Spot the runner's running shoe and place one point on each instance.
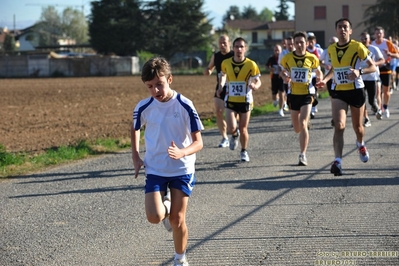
(183, 262)
(379, 114)
(234, 140)
(363, 154)
(387, 113)
(302, 160)
(367, 122)
(244, 156)
(336, 168)
(224, 143)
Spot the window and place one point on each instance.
(254, 37)
(320, 12)
(345, 11)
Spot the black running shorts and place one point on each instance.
(355, 98)
(295, 102)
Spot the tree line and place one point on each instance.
(164, 27)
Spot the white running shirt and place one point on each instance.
(165, 122)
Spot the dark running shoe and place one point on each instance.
(336, 168)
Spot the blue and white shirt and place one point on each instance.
(165, 122)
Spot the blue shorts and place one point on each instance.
(184, 183)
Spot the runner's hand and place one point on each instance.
(174, 152)
(138, 163)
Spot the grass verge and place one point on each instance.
(19, 163)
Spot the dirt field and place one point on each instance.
(37, 114)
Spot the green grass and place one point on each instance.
(19, 163)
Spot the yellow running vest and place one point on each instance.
(344, 58)
(239, 76)
(300, 69)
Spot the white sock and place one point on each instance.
(359, 144)
(180, 256)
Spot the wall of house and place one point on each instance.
(305, 17)
(24, 44)
(43, 66)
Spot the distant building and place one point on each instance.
(27, 39)
(319, 16)
(261, 35)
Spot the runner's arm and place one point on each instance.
(208, 70)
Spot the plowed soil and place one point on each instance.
(37, 114)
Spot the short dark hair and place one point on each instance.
(311, 37)
(379, 28)
(156, 66)
(364, 33)
(300, 34)
(239, 39)
(343, 19)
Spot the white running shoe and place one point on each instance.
(234, 141)
(303, 161)
(281, 112)
(244, 156)
(167, 203)
(387, 113)
(286, 108)
(182, 262)
(224, 143)
(379, 114)
(367, 122)
(363, 154)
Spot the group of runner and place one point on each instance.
(353, 70)
(173, 127)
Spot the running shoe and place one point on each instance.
(367, 122)
(336, 168)
(167, 203)
(224, 143)
(286, 108)
(275, 102)
(244, 156)
(312, 115)
(281, 112)
(234, 140)
(302, 160)
(374, 109)
(387, 113)
(182, 262)
(379, 114)
(363, 154)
